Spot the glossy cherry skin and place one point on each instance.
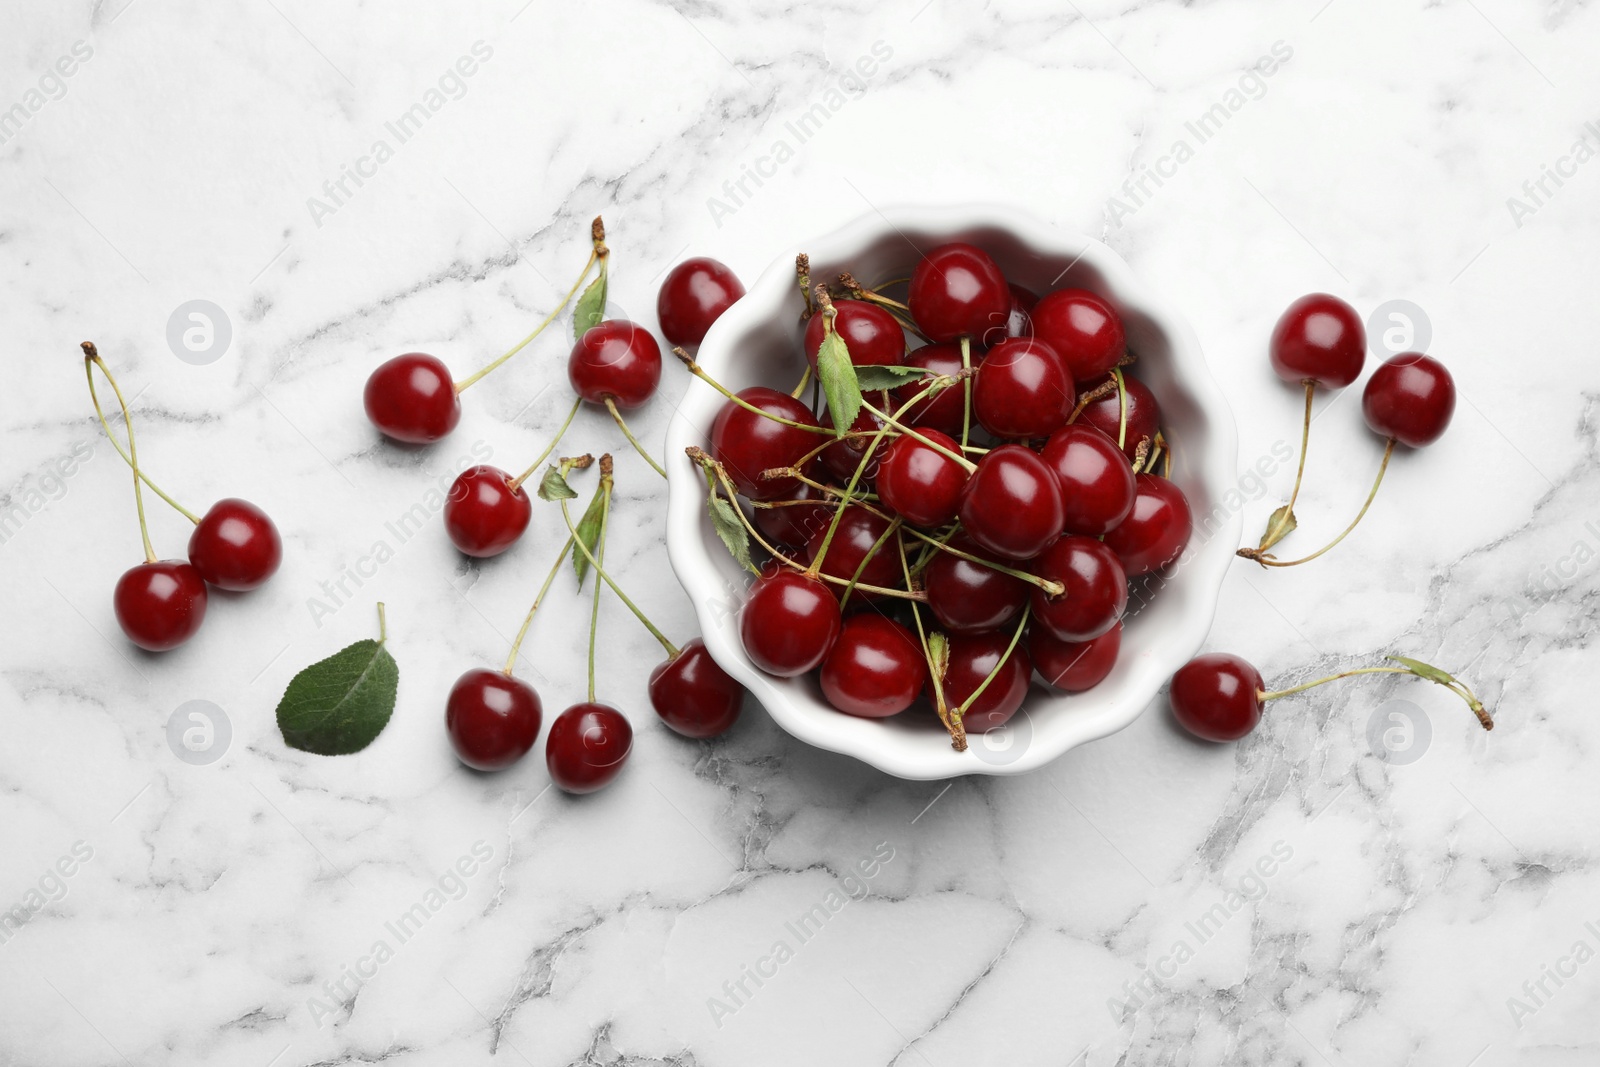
(1073, 666)
(941, 411)
(412, 398)
(694, 696)
(1157, 531)
(793, 526)
(876, 668)
(617, 359)
(1410, 398)
(1022, 390)
(1019, 321)
(160, 605)
(694, 294)
(859, 530)
(1144, 414)
(587, 746)
(492, 718)
(843, 456)
(972, 657)
(1097, 486)
(1012, 504)
(1321, 339)
(747, 444)
(1096, 589)
(1083, 328)
(921, 485)
(235, 546)
(1217, 697)
(483, 514)
(789, 623)
(958, 291)
(871, 334)
(967, 597)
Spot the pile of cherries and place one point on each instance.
(1004, 490)
(235, 546)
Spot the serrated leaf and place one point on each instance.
(1425, 670)
(1281, 525)
(885, 376)
(553, 486)
(339, 705)
(939, 655)
(591, 306)
(589, 533)
(725, 520)
(838, 377)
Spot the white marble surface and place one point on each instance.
(1407, 902)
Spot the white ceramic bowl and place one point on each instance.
(757, 342)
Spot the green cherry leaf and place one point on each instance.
(838, 376)
(553, 486)
(589, 533)
(875, 377)
(1425, 670)
(939, 655)
(341, 704)
(725, 520)
(1281, 525)
(591, 306)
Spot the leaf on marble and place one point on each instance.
(339, 705)
(1281, 525)
(589, 532)
(591, 307)
(553, 486)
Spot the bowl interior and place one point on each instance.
(757, 343)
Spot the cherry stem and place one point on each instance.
(802, 275)
(1122, 408)
(383, 625)
(91, 359)
(611, 406)
(538, 599)
(891, 420)
(706, 462)
(598, 253)
(1104, 389)
(958, 735)
(672, 650)
(966, 390)
(1275, 530)
(596, 559)
(1268, 561)
(1022, 624)
(805, 380)
(1437, 676)
(152, 486)
(551, 447)
(695, 369)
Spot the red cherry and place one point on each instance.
(235, 546)
(1096, 592)
(747, 444)
(1410, 398)
(793, 526)
(958, 291)
(1157, 531)
(484, 515)
(587, 746)
(921, 485)
(876, 668)
(843, 456)
(412, 398)
(972, 657)
(1022, 390)
(871, 334)
(967, 597)
(1321, 339)
(1071, 666)
(160, 605)
(1012, 504)
(1217, 697)
(789, 623)
(944, 409)
(859, 530)
(1083, 328)
(1096, 478)
(694, 294)
(693, 695)
(492, 718)
(1019, 322)
(615, 358)
(1144, 414)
